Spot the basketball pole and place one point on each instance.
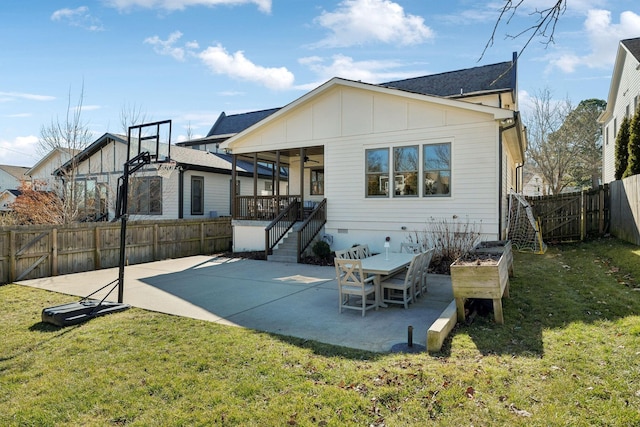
(130, 167)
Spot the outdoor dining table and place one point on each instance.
(384, 265)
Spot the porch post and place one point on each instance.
(255, 178)
(301, 212)
(277, 184)
(234, 175)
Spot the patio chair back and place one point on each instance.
(352, 282)
(398, 290)
(410, 248)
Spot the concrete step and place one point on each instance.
(282, 258)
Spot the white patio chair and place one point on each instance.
(342, 254)
(410, 248)
(363, 251)
(425, 261)
(352, 283)
(400, 290)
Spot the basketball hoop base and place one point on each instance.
(81, 311)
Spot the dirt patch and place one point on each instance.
(479, 259)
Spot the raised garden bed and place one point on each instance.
(497, 247)
(480, 275)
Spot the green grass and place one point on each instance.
(568, 354)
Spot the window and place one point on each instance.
(377, 172)
(437, 169)
(145, 195)
(317, 182)
(88, 196)
(405, 171)
(197, 195)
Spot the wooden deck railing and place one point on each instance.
(279, 226)
(311, 227)
(264, 208)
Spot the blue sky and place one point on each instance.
(189, 60)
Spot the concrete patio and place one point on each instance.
(291, 299)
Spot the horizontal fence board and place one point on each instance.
(30, 252)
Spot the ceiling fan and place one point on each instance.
(307, 159)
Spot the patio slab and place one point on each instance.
(291, 299)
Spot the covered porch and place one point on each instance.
(292, 201)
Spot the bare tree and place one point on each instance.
(71, 135)
(544, 24)
(548, 150)
(131, 115)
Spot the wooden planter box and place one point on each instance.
(486, 280)
(496, 247)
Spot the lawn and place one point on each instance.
(568, 354)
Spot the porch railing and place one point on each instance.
(279, 226)
(311, 226)
(264, 208)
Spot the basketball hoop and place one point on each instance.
(166, 169)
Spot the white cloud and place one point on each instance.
(345, 67)
(171, 5)
(79, 17)
(19, 151)
(10, 96)
(357, 22)
(603, 37)
(237, 66)
(167, 47)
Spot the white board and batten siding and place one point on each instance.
(347, 120)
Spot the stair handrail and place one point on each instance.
(311, 226)
(280, 226)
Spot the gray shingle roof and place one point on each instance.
(487, 78)
(16, 171)
(633, 45)
(235, 123)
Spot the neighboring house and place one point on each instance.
(7, 198)
(11, 177)
(393, 159)
(42, 173)
(623, 101)
(198, 186)
(225, 127)
(534, 185)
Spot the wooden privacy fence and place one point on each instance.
(625, 209)
(30, 252)
(572, 216)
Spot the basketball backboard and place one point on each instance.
(153, 138)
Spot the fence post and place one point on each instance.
(12, 256)
(601, 197)
(54, 251)
(583, 214)
(201, 238)
(155, 242)
(97, 255)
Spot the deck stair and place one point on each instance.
(287, 249)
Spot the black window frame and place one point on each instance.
(197, 195)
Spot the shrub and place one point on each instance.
(622, 149)
(321, 249)
(633, 166)
(451, 240)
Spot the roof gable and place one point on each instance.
(232, 124)
(488, 78)
(18, 172)
(633, 46)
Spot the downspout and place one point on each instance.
(500, 169)
(518, 190)
(181, 193)
(500, 184)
